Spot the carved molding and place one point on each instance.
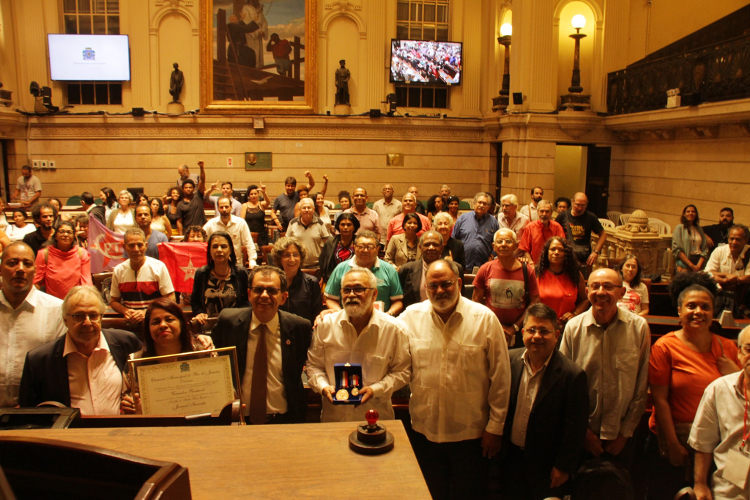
(270, 131)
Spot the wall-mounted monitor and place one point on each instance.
(102, 58)
(419, 61)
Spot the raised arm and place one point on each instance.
(202, 178)
(310, 181)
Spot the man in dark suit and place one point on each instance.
(84, 367)
(547, 415)
(410, 274)
(271, 350)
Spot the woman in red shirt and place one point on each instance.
(561, 284)
(63, 264)
(681, 366)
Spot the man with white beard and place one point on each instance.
(460, 385)
(359, 334)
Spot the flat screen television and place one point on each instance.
(102, 58)
(419, 61)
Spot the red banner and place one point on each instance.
(105, 246)
(182, 260)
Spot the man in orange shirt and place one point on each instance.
(536, 234)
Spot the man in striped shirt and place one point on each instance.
(139, 280)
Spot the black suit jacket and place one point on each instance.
(232, 330)
(410, 276)
(45, 373)
(559, 417)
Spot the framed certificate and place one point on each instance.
(193, 383)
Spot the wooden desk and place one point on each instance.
(275, 461)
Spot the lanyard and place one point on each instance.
(745, 434)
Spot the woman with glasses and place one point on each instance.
(220, 283)
(689, 243)
(339, 248)
(404, 247)
(561, 284)
(62, 264)
(682, 364)
(305, 299)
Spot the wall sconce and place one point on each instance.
(575, 100)
(501, 103)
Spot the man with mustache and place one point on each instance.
(29, 318)
(359, 334)
(717, 432)
(612, 346)
(460, 385)
(547, 414)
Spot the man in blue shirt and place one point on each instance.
(366, 255)
(476, 230)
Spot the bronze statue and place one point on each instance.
(342, 84)
(175, 83)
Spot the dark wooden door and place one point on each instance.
(597, 180)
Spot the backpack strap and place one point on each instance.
(526, 293)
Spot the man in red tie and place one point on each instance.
(271, 350)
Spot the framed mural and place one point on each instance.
(258, 56)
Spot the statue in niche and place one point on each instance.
(342, 84)
(176, 82)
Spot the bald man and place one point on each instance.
(578, 224)
(612, 346)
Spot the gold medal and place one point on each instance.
(342, 395)
(355, 392)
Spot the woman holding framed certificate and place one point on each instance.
(165, 332)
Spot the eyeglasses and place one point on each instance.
(69, 233)
(290, 256)
(258, 290)
(356, 290)
(366, 247)
(443, 284)
(541, 331)
(507, 241)
(608, 287)
(745, 348)
(80, 318)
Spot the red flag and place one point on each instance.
(105, 247)
(182, 260)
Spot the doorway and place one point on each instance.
(584, 168)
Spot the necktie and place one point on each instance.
(259, 387)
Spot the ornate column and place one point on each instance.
(378, 50)
(472, 39)
(534, 63)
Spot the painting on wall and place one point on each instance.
(258, 55)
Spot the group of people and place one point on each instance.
(546, 367)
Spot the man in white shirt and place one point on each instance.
(612, 346)
(729, 263)
(359, 334)
(387, 209)
(28, 318)
(227, 190)
(83, 368)
(717, 433)
(310, 230)
(244, 247)
(460, 385)
(510, 218)
(530, 210)
(28, 188)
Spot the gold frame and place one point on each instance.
(209, 105)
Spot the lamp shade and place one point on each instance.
(506, 29)
(579, 21)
